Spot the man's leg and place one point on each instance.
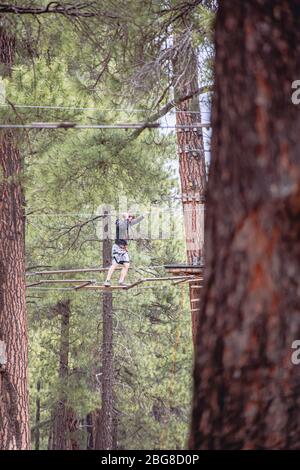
(110, 272)
(124, 272)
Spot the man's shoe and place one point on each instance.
(122, 284)
(106, 284)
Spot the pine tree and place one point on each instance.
(246, 387)
(14, 424)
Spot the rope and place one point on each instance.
(164, 433)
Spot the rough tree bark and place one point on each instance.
(14, 426)
(246, 390)
(191, 158)
(107, 378)
(64, 420)
(93, 424)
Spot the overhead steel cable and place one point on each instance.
(74, 125)
(91, 108)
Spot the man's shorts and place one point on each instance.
(119, 255)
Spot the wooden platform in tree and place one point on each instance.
(184, 269)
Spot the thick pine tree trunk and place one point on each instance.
(14, 430)
(14, 426)
(246, 391)
(107, 378)
(191, 159)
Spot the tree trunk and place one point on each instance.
(14, 425)
(246, 389)
(107, 377)
(191, 158)
(64, 420)
(58, 436)
(94, 424)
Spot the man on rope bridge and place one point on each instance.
(120, 253)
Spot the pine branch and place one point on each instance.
(159, 114)
(83, 10)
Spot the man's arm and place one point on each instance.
(137, 220)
